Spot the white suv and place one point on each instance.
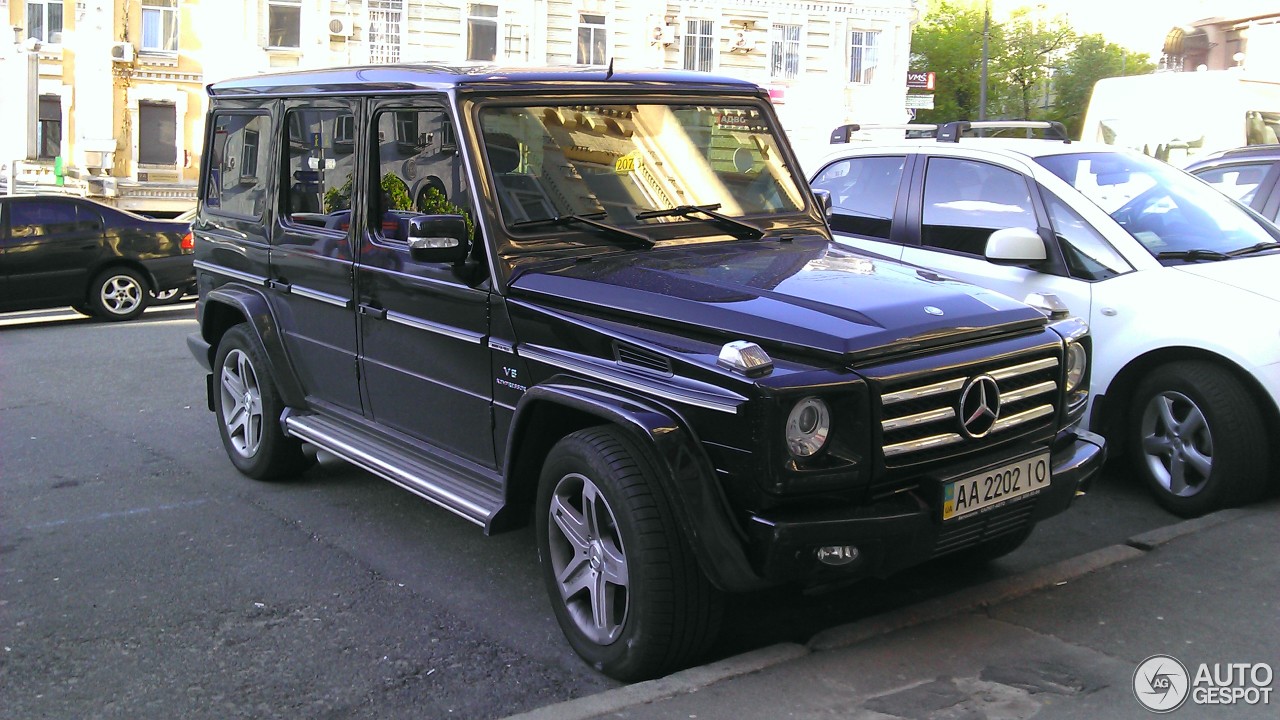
(1177, 281)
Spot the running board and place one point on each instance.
(390, 461)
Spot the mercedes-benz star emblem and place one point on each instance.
(933, 310)
(979, 406)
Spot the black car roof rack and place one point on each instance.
(952, 131)
(844, 133)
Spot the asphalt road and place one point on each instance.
(142, 577)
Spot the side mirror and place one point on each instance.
(1016, 246)
(824, 202)
(438, 238)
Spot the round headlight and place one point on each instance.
(808, 427)
(1077, 363)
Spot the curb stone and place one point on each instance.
(984, 595)
(685, 681)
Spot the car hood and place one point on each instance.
(807, 294)
(1253, 273)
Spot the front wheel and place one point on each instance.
(248, 409)
(1198, 439)
(118, 294)
(624, 584)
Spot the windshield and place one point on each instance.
(1170, 212)
(680, 169)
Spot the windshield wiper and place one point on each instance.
(1260, 247)
(587, 220)
(1197, 254)
(737, 227)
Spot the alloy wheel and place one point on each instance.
(241, 403)
(588, 558)
(1176, 443)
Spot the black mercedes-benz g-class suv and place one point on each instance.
(608, 303)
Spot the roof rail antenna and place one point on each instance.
(609, 73)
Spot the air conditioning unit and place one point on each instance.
(740, 41)
(122, 52)
(340, 25)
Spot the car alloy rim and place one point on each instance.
(241, 403)
(168, 294)
(588, 559)
(1177, 443)
(121, 295)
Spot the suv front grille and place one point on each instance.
(921, 422)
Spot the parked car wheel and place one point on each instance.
(119, 293)
(83, 309)
(1198, 439)
(624, 585)
(248, 408)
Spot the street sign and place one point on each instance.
(921, 79)
(920, 102)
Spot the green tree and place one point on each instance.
(1092, 59)
(1031, 48)
(949, 42)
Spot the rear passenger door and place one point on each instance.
(865, 205)
(311, 259)
(52, 247)
(423, 327)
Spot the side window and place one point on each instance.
(1237, 181)
(37, 219)
(419, 171)
(318, 168)
(1088, 255)
(864, 192)
(965, 201)
(236, 184)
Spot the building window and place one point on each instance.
(698, 38)
(784, 51)
(386, 18)
(864, 49)
(482, 31)
(284, 23)
(160, 26)
(157, 133)
(592, 40)
(44, 20)
(49, 131)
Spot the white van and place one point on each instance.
(1176, 116)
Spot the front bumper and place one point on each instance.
(907, 529)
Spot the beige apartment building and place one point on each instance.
(109, 94)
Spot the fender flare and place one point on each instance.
(217, 315)
(688, 477)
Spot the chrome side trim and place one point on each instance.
(918, 419)
(438, 329)
(727, 403)
(230, 272)
(452, 502)
(324, 297)
(501, 346)
(923, 391)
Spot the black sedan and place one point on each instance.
(107, 263)
(1249, 174)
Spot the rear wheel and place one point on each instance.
(248, 409)
(1198, 439)
(118, 293)
(624, 584)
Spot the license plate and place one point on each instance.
(995, 487)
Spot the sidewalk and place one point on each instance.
(1062, 641)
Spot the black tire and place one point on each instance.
(1197, 439)
(171, 296)
(83, 309)
(250, 429)
(664, 613)
(118, 293)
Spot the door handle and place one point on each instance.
(374, 312)
(280, 285)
